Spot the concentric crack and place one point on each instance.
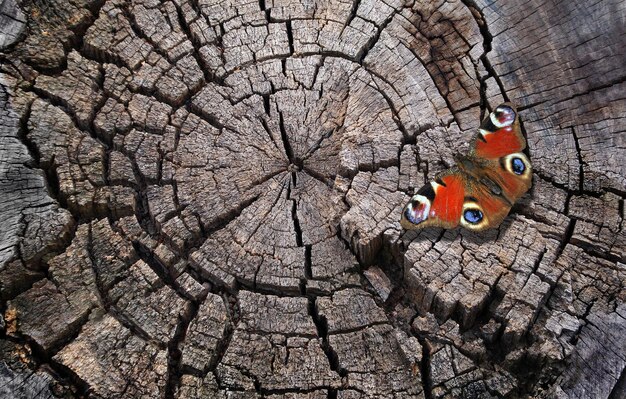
(219, 182)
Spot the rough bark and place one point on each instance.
(202, 198)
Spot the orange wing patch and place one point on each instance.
(448, 203)
(479, 191)
(502, 142)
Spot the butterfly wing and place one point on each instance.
(482, 209)
(479, 193)
(454, 198)
(499, 134)
(499, 145)
(438, 203)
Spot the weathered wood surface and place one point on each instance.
(201, 199)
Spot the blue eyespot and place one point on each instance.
(473, 216)
(518, 166)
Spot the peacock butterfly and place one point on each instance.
(480, 190)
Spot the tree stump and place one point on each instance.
(202, 199)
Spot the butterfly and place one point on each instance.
(479, 191)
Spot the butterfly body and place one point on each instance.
(480, 190)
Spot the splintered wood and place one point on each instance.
(202, 199)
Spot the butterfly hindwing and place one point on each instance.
(499, 145)
(512, 173)
(481, 208)
(479, 192)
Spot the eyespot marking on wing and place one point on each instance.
(517, 164)
(480, 190)
(502, 116)
(473, 216)
(416, 211)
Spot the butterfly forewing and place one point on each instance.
(438, 203)
(479, 193)
(499, 134)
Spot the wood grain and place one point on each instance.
(202, 199)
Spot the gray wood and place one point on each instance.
(202, 199)
(12, 23)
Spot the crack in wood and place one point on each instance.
(173, 350)
(321, 325)
(297, 161)
(484, 58)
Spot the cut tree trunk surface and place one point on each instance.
(201, 198)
